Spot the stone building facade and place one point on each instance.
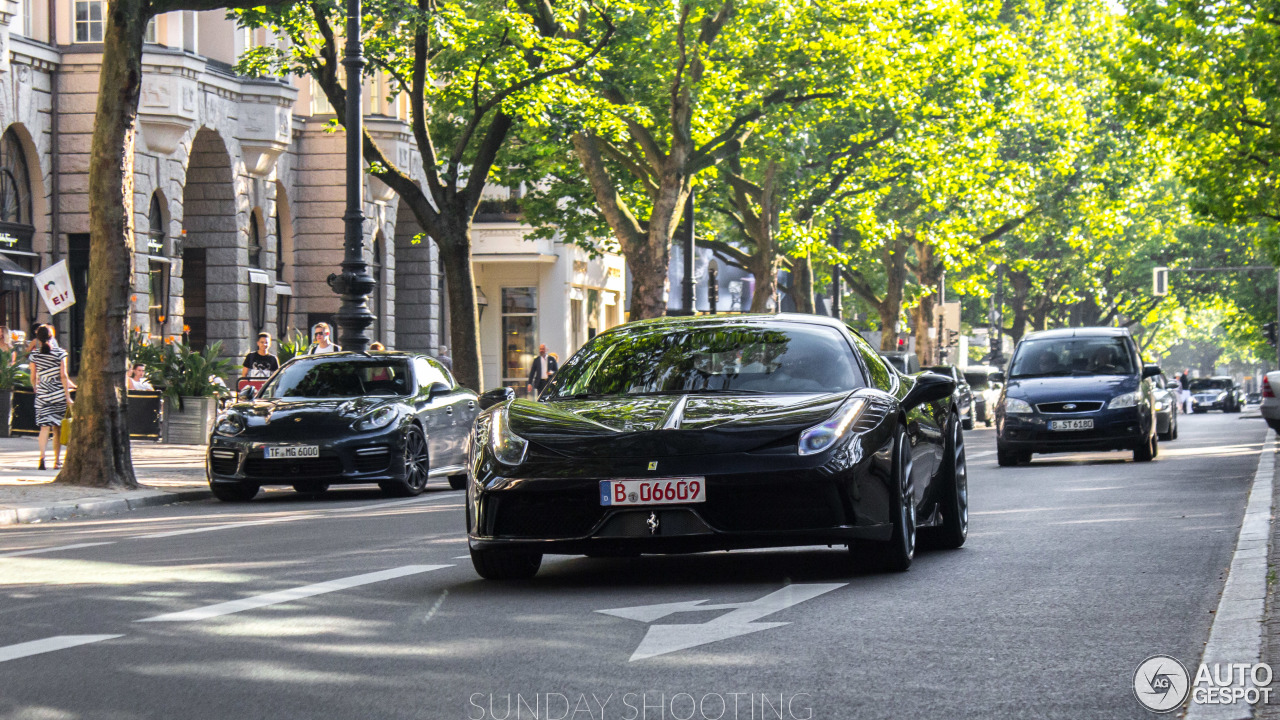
(239, 198)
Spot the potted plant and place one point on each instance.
(291, 347)
(13, 373)
(193, 384)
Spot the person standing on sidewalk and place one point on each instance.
(53, 391)
(320, 343)
(137, 379)
(543, 369)
(1184, 391)
(443, 357)
(260, 363)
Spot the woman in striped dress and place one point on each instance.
(53, 390)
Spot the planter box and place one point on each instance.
(6, 411)
(191, 424)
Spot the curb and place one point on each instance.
(1237, 632)
(95, 506)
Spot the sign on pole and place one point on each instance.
(54, 284)
(1160, 281)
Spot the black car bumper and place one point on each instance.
(357, 458)
(752, 501)
(1122, 429)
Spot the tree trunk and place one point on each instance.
(1020, 292)
(99, 453)
(464, 318)
(802, 284)
(894, 257)
(922, 321)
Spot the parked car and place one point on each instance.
(392, 418)
(1214, 393)
(964, 395)
(690, 434)
(1166, 392)
(907, 363)
(1079, 389)
(1270, 407)
(1253, 398)
(985, 391)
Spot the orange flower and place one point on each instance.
(186, 328)
(168, 340)
(137, 328)
(133, 298)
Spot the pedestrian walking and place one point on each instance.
(260, 363)
(543, 369)
(6, 345)
(1184, 391)
(443, 357)
(137, 380)
(320, 340)
(48, 366)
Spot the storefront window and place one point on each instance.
(519, 335)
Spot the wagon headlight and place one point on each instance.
(508, 448)
(1127, 400)
(229, 425)
(1016, 406)
(376, 420)
(820, 437)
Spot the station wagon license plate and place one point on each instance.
(1071, 424)
(291, 452)
(653, 491)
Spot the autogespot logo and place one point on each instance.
(1161, 683)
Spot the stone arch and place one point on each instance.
(20, 236)
(36, 183)
(214, 255)
(417, 308)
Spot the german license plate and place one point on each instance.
(289, 452)
(1071, 424)
(654, 491)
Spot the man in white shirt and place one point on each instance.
(320, 343)
(543, 369)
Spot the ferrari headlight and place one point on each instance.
(508, 448)
(1127, 400)
(1016, 406)
(377, 419)
(229, 425)
(820, 437)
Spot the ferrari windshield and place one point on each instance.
(1073, 356)
(747, 358)
(340, 379)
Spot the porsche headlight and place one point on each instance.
(1127, 400)
(376, 420)
(1222, 396)
(508, 448)
(1016, 406)
(820, 437)
(229, 425)
(1162, 404)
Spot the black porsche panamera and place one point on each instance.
(718, 432)
(392, 418)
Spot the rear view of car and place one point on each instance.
(1082, 389)
(1270, 407)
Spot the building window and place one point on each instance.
(89, 20)
(159, 286)
(150, 35)
(519, 336)
(255, 242)
(280, 263)
(375, 269)
(155, 227)
(15, 182)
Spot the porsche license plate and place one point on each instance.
(1071, 424)
(654, 491)
(290, 452)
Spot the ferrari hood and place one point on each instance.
(656, 426)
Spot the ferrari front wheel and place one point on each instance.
(896, 554)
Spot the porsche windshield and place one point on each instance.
(1201, 384)
(746, 358)
(340, 379)
(1073, 356)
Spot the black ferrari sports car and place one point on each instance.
(717, 432)
(391, 418)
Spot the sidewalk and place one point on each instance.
(167, 473)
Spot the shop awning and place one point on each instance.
(14, 277)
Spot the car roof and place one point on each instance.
(672, 321)
(1077, 332)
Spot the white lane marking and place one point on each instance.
(663, 639)
(288, 518)
(980, 454)
(284, 596)
(58, 642)
(463, 557)
(55, 549)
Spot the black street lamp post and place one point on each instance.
(354, 283)
(713, 285)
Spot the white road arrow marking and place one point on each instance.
(663, 639)
(284, 596)
(55, 549)
(58, 642)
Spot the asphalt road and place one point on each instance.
(353, 606)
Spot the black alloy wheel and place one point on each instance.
(1147, 451)
(311, 488)
(233, 492)
(896, 554)
(954, 529)
(499, 564)
(417, 466)
(1007, 458)
(459, 481)
(1173, 434)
